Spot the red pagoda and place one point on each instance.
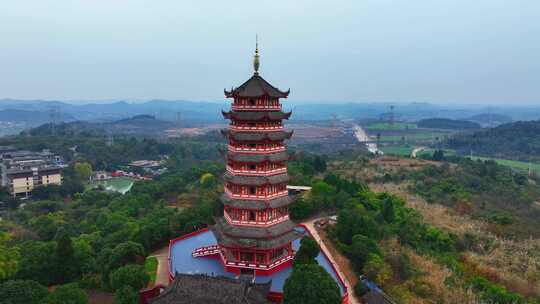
(255, 233)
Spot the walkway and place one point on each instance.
(310, 225)
(162, 273)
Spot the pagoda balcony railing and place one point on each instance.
(215, 249)
(256, 129)
(206, 251)
(254, 196)
(256, 107)
(261, 266)
(255, 223)
(256, 150)
(255, 172)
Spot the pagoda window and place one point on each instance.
(252, 190)
(252, 102)
(246, 256)
(261, 257)
(252, 215)
(252, 145)
(252, 167)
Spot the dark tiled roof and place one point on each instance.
(256, 86)
(276, 242)
(257, 205)
(253, 232)
(248, 115)
(257, 136)
(257, 158)
(204, 289)
(256, 180)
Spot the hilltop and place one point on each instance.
(517, 141)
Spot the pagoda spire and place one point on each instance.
(256, 61)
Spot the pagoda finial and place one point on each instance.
(256, 62)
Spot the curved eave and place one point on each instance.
(256, 158)
(257, 204)
(256, 116)
(270, 232)
(256, 180)
(255, 87)
(257, 136)
(232, 242)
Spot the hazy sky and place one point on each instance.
(459, 51)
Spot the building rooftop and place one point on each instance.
(204, 289)
(256, 86)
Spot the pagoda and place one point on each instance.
(254, 235)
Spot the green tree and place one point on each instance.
(22, 292)
(47, 225)
(309, 250)
(126, 295)
(133, 276)
(65, 264)
(310, 284)
(377, 270)
(83, 171)
(68, 294)
(9, 257)
(361, 248)
(124, 253)
(37, 261)
(208, 181)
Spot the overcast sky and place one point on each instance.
(440, 51)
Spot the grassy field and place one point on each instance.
(388, 126)
(400, 150)
(150, 266)
(524, 166)
(411, 136)
(117, 184)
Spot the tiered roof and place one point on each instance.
(256, 180)
(256, 86)
(204, 289)
(256, 116)
(257, 205)
(257, 136)
(257, 158)
(268, 243)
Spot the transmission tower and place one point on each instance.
(178, 116)
(392, 117)
(54, 117)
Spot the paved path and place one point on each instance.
(416, 151)
(162, 274)
(310, 225)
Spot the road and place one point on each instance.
(162, 273)
(363, 138)
(416, 150)
(310, 225)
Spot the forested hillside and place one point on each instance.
(518, 141)
(447, 124)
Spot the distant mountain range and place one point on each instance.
(36, 112)
(137, 125)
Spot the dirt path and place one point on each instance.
(162, 274)
(343, 266)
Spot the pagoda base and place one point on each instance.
(213, 251)
(181, 260)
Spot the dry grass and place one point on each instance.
(430, 282)
(512, 263)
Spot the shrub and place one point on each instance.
(132, 276)
(22, 292)
(68, 294)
